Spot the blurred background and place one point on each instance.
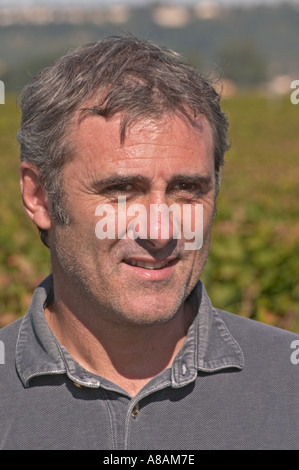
(253, 268)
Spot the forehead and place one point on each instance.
(169, 141)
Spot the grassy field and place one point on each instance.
(253, 268)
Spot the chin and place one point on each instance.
(150, 313)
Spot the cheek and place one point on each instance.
(196, 222)
(192, 226)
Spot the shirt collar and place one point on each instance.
(209, 346)
(38, 352)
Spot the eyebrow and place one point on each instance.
(191, 179)
(116, 179)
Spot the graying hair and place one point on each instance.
(125, 75)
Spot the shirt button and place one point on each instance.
(78, 385)
(135, 411)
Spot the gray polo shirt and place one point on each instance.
(233, 385)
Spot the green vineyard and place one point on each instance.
(253, 268)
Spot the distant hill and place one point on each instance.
(249, 45)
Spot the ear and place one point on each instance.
(35, 199)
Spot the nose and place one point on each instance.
(163, 222)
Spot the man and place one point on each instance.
(121, 348)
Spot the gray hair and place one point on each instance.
(125, 75)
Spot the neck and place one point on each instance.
(127, 354)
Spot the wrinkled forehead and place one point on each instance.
(89, 126)
(154, 149)
(128, 120)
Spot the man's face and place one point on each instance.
(168, 162)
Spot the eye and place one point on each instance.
(186, 190)
(186, 186)
(120, 188)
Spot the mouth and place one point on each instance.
(150, 270)
(152, 265)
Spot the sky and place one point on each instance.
(127, 2)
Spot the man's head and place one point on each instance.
(121, 118)
(136, 79)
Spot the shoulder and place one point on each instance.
(9, 333)
(265, 347)
(245, 327)
(8, 339)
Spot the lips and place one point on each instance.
(148, 264)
